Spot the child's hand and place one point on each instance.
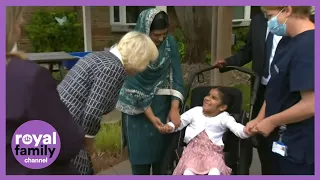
(247, 132)
(250, 128)
(166, 129)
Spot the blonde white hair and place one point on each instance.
(137, 51)
(13, 18)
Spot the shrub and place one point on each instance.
(47, 35)
(182, 45)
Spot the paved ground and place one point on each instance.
(123, 168)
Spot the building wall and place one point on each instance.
(24, 43)
(100, 21)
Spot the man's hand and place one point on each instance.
(220, 63)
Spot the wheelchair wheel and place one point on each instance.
(172, 156)
(245, 152)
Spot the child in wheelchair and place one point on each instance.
(204, 135)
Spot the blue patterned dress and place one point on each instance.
(89, 90)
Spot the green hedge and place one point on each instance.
(47, 35)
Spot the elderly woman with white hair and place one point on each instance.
(91, 88)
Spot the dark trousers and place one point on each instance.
(264, 148)
(145, 169)
(282, 166)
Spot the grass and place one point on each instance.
(107, 146)
(109, 138)
(245, 89)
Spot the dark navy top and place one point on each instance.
(292, 71)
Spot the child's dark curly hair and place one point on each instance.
(226, 96)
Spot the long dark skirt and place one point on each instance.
(145, 144)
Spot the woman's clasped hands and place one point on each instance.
(162, 128)
(261, 126)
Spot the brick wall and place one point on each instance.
(101, 29)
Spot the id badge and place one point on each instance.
(279, 148)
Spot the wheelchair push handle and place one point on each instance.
(249, 72)
(222, 70)
(241, 69)
(190, 81)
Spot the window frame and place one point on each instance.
(122, 26)
(122, 15)
(247, 13)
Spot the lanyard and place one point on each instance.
(282, 129)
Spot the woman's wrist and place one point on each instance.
(175, 105)
(153, 120)
(148, 112)
(259, 119)
(273, 120)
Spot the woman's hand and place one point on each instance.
(166, 129)
(89, 145)
(157, 123)
(265, 127)
(154, 120)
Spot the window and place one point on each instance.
(241, 13)
(128, 15)
(121, 17)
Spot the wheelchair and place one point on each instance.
(237, 152)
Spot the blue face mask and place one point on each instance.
(276, 28)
